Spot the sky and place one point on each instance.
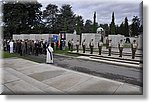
(103, 8)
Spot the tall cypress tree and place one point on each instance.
(94, 23)
(126, 27)
(112, 25)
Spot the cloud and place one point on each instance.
(103, 8)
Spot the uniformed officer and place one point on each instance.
(120, 46)
(134, 48)
(109, 47)
(77, 45)
(91, 46)
(100, 44)
(83, 45)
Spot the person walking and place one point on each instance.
(134, 46)
(100, 45)
(49, 57)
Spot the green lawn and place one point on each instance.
(65, 52)
(8, 55)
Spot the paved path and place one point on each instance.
(26, 77)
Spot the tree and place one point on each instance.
(88, 26)
(79, 26)
(50, 17)
(20, 17)
(94, 23)
(126, 28)
(135, 26)
(67, 19)
(112, 25)
(121, 29)
(106, 28)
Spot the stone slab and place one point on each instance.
(8, 77)
(46, 88)
(6, 91)
(66, 81)
(95, 86)
(37, 69)
(128, 90)
(18, 64)
(22, 87)
(47, 75)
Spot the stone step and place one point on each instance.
(115, 60)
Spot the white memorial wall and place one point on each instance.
(88, 36)
(70, 36)
(116, 39)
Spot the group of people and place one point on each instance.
(71, 44)
(23, 47)
(29, 47)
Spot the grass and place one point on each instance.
(8, 55)
(65, 52)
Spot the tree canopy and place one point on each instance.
(27, 18)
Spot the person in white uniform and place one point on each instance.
(49, 57)
(11, 44)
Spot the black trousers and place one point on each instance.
(91, 50)
(83, 48)
(109, 49)
(120, 51)
(133, 53)
(100, 50)
(77, 48)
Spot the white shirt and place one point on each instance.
(91, 44)
(77, 43)
(121, 44)
(134, 45)
(72, 42)
(110, 44)
(83, 43)
(100, 43)
(11, 44)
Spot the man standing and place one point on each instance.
(100, 44)
(72, 42)
(134, 48)
(109, 47)
(91, 46)
(49, 57)
(120, 46)
(77, 45)
(83, 45)
(11, 45)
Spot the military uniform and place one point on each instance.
(77, 46)
(109, 48)
(72, 42)
(91, 47)
(100, 44)
(83, 46)
(134, 47)
(120, 45)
